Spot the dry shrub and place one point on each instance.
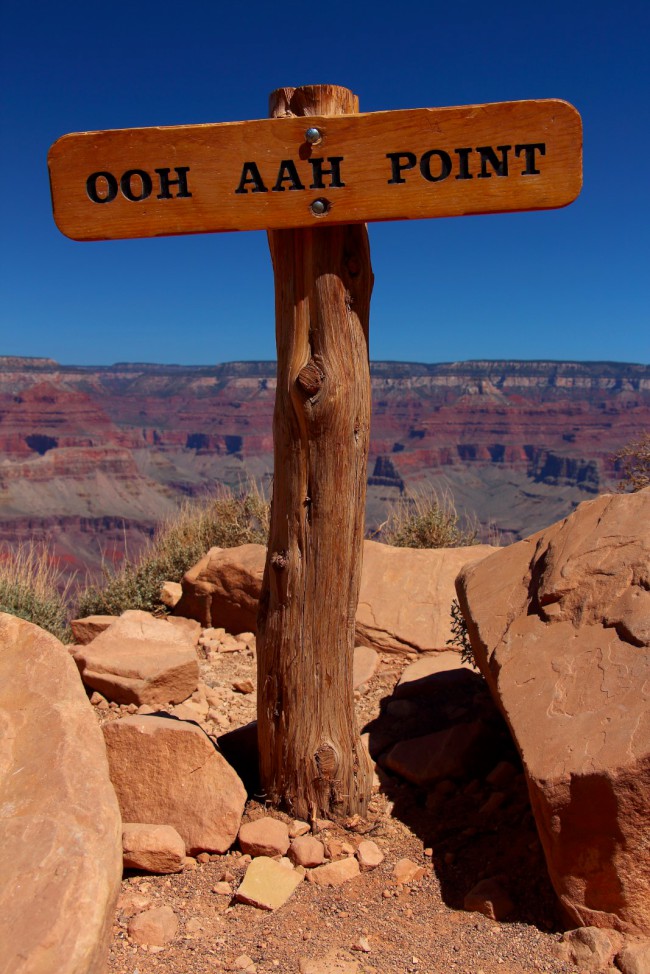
(225, 519)
(426, 519)
(31, 587)
(634, 461)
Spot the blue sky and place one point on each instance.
(561, 284)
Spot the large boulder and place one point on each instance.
(60, 828)
(140, 659)
(223, 588)
(560, 626)
(406, 595)
(404, 602)
(168, 772)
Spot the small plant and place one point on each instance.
(223, 520)
(425, 519)
(634, 458)
(460, 638)
(31, 588)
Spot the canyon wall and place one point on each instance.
(92, 457)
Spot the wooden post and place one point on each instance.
(312, 760)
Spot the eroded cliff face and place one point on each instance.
(84, 450)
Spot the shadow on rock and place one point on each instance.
(447, 763)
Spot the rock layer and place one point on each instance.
(61, 848)
(559, 624)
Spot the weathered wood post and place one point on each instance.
(311, 757)
(265, 174)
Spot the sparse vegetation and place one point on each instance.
(225, 519)
(460, 637)
(30, 588)
(426, 519)
(634, 461)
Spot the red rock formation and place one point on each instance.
(519, 442)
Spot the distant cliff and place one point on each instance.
(91, 457)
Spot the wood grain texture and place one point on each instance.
(311, 758)
(216, 154)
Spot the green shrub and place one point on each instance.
(634, 460)
(225, 520)
(31, 588)
(425, 519)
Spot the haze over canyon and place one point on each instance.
(91, 457)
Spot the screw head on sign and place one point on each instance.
(313, 136)
(319, 207)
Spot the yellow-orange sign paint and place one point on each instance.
(272, 173)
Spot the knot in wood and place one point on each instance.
(310, 378)
(280, 560)
(327, 761)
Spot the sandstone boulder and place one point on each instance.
(406, 595)
(404, 602)
(560, 626)
(86, 629)
(140, 659)
(168, 772)
(223, 588)
(60, 832)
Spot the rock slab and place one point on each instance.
(140, 659)
(60, 828)
(168, 772)
(560, 627)
(267, 884)
(152, 848)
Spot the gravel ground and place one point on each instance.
(459, 832)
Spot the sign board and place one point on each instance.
(299, 172)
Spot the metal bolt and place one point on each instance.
(313, 136)
(320, 207)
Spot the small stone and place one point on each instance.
(155, 927)
(96, 698)
(489, 898)
(131, 903)
(264, 837)
(369, 854)
(362, 944)
(307, 851)
(244, 963)
(244, 686)
(298, 828)
(502, 774)
(634, 958)
(170, 593)
(222, 889)
(591, 948)
(152, 848)
(267, 884)
(335, 873)
(407, 871)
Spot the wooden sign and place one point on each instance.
(299, 172)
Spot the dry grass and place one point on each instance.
(634, 461)
(30, 588)
(225, 519)
(426, 519)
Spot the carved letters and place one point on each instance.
(434, 166)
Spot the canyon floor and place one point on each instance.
(459, 833)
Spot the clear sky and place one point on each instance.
(562, 284)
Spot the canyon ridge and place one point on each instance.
(92, 457)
